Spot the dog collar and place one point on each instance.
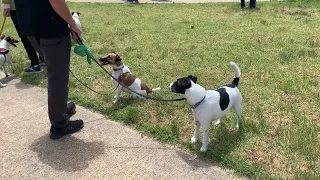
(119, 68)
(198, 103)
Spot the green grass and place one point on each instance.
(276, 47)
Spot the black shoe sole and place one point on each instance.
(58, 136)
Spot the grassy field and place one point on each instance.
(276, 47)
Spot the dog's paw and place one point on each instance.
(218, 122)
(2, 85)
(203, 149)
(194, 139)
(115, 102)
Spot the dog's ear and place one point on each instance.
(118, 58)
(193, 78)
(78, 13)
(2, 37)
(14, 40)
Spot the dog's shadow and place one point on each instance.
(125, 110)
(14, 81)
(193, 161)
(67, 154)
(7, 80)
(222, 141)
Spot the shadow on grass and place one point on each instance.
(223, 142)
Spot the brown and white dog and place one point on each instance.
(125, 77)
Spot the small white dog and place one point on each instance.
(76, 18)
(211, 104)
(125, 77)
(5, 44)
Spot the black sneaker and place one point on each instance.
(33, 69)
(71, 109)
(72, 127)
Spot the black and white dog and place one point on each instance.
(76, 18)
(211, 104)
(5, 57)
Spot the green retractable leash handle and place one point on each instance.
(83, 50)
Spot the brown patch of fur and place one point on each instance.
(118, 63)
(145, 87)
(126, 79)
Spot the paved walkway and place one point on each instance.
(103, 149)
(162, 1)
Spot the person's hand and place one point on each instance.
(74, 30)
(6, 12)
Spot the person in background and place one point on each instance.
(9, 9)
(51, 22)
(252, 4)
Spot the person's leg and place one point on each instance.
(32, 54)
(252, 3)
(41, 58)
(57, 56)
(242, 4)
(36, 45)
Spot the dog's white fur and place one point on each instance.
(4, 59)
(76, 18)
(136, 85)
(209, 109)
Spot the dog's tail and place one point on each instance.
(237, 73)
(156, 89)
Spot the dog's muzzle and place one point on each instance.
(103, 61)
(171, 88)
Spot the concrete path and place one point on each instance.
(103, 149)
(163, 1)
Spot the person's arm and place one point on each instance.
(6, 7)
(61, 8)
